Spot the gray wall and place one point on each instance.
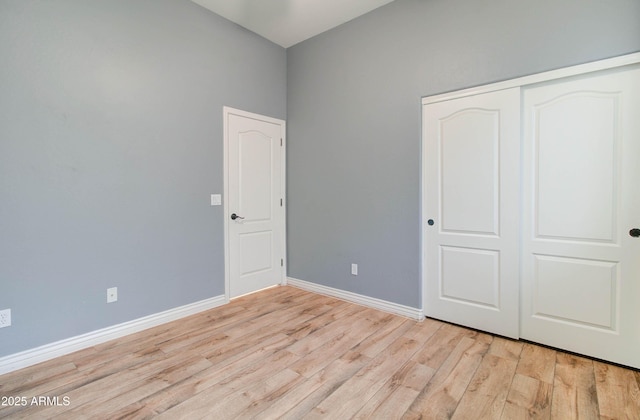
(110, 144)
(353, 109)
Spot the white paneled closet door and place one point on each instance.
(581, 193)
(471, 154)
(543, 244)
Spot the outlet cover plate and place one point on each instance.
(112, 294)
(5, 318)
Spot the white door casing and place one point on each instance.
(254, 211)
(581, 267)
(471, 153)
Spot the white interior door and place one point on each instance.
(255, 197)
(471, 155)
(581, 266)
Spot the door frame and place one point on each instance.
(226, 112)
(609, 63)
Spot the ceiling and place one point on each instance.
(287, 22)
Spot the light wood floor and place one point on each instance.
(288, 353)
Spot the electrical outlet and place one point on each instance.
(112, 294)
(354, 269)
(5, 318)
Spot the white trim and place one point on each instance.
(370, 302)
(225, 197)
(283, 189)
(623, 60)
(226, 111)
(60, 348)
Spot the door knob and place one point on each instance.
(430, 222)
(235, 216)
(635, 232)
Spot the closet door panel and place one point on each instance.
(581, 175)
(471, 153)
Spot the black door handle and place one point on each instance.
(235, 216)
(635, 232)
(430, 222)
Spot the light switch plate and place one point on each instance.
(216, 199)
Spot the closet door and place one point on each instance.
(581, 264)
(471, 160)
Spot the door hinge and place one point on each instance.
(280, 142)
(281, 202)
(281, 262)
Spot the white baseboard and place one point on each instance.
(60, 348)
(380, 304)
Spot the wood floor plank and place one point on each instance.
(506, 348)
(372, 345)
(315, 360)
(285, 353)
(38, 377)
(528, 398)
(398, 393)
(386, 331)
(109, 402)
(424, 330)
(441, 344)
(574, 388)
(486, 395)
(341, 327)
(443, 392)
(248, 332)
(225, 371)
(537, 362)
(77, 382)
(246, 403)
(302, 329)
(105, 387)
(618, 392)
(308, 395)
(199, 405)
(349, 398)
